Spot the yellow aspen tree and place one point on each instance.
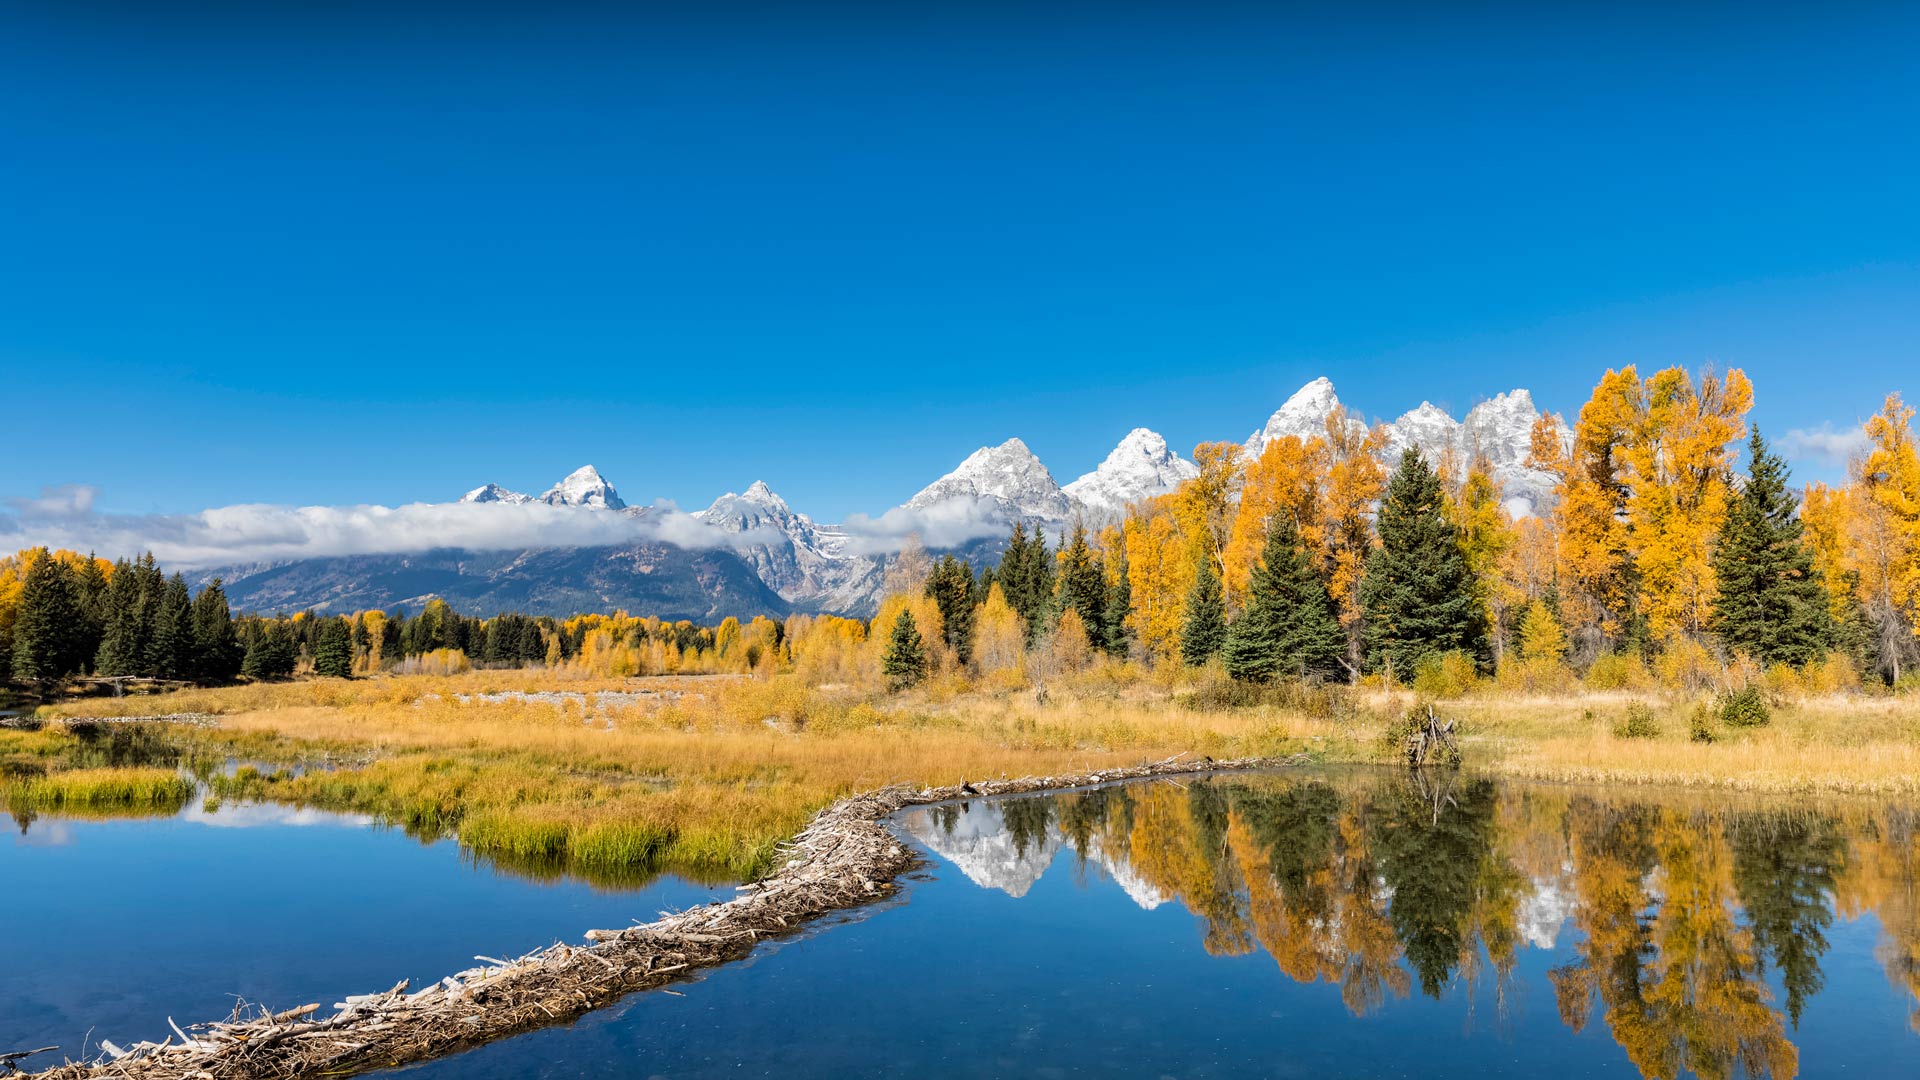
(1160, 570)
(1541, 638)
(1891, 477)
(1595, 566)
(1355, 482)
(1285, 479)
(1678, 467)
(1204, 505)
(999, 635)
(1486, 535)
(1827, 515)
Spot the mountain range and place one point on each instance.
(750, 553)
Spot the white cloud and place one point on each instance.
(945, 524)
(255, 532)
(1825, 445)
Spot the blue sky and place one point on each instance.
(377, 253)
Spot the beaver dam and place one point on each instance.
(845, 858)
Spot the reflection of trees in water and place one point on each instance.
(1680, 908)
(1027, 821)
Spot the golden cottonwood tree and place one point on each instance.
(1595, 565)
(1678, 468)
(1204, 505)
(1285, 479)
(1160, 570)
(1355, 482)
(1486, 535)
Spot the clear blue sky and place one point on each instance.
(345, 252)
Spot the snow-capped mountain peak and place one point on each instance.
(1008, 474)
(584, 486)
(1140, 467)
(494, 493)
(1303, 415)
(1428, 429)
(758, 492)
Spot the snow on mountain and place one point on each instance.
(494, 493)
(1140, 467)
(807, 564)
(1304, 415)
(583, 486)
(1138, 889)
(1009, 476)
(981, 846)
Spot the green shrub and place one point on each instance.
(1639, 723)
(1745, 707)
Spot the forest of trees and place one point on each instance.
(1674, 550)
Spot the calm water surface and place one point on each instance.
(111, 926)
(1355, 924)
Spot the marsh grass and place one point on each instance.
(100, 790)
(705, 776)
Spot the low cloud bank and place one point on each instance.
(65, 517)
(945, 524)
(1825, 445)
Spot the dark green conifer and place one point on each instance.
(1204, 629)
(1117, 637)
(951, 588)
(1771, 603)
(170, 650)
(216, 649)
(1418, 594)
(46, 646)
(1288, 627)
(333, 648)
(1083, 585)
(905, 661)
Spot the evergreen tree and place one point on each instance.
(1083, 585)
(90, 590)
(1418, 593)
(1204, 630)
(1116, 634)
(333, 649)
(1771, 603)
(1288, 626)
(46, 647)
(127, 629)
(905, 661)
(951, 588)
(271, 653)
(1026, 577)
(216, 650)
(170, 650)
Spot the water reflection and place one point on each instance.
(1692, 928)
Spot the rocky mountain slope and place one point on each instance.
(765, 558)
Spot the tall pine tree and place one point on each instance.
(1418, 594)
(1204, 629)
(216, 650)
(1117, 636)
(1771, 604)
(46, 640)
(1288, 626)
(950, 586)
(333, 649)
(1083, 585)
(905, 661)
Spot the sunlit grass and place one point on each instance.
(704, 777)
(100, 790)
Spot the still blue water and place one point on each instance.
(108, 927)
(1343, 925)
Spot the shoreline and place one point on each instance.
(845, 858)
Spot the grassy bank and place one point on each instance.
(92, 791)
(705, 776)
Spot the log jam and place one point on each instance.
(844, 858)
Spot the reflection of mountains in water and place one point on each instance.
(976, 839)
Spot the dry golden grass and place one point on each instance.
(705, 775)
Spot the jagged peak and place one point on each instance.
(584, 486)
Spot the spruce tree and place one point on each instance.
(1771, 603)
(170, 651)
(1083, 585)
(216, 650)
(1116, 636)
(271, 652)
(333, 649)
(1418, 593)
(46, 646)
(1204, 629)
(950, 586)
(905, 661)
(1288, 627)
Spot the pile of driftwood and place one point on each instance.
(846, 857)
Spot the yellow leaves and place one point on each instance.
(1160, 570)
(999, 638)
(1355, 481)
(1541, 637)
(1889, 522)
(1827, 515)
(1203, 506)
(1285, 479)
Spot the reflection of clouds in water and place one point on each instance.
(254, 815)
(45, 832)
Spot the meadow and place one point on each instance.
(619, 778)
